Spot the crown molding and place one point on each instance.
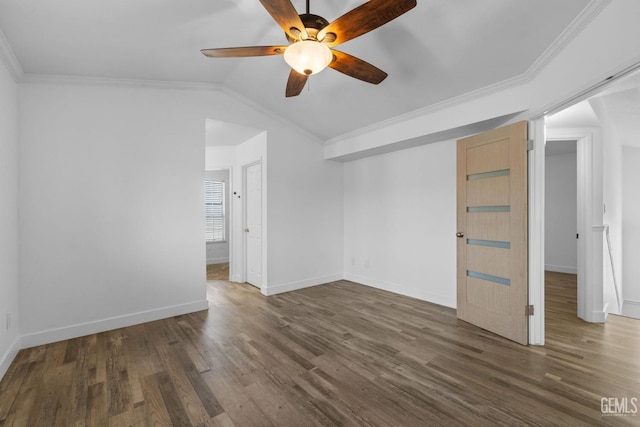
(9, 59)
(430, 109)
(584, 18)
(579, 23)
(112, 82)
(167, 85)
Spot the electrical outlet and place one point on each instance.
(8, 321)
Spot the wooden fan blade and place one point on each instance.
(354, 67)
(286, 16)
(296, 83)
(365, 18)
(236, 52)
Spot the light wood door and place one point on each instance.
(253, 230)
(492, 288)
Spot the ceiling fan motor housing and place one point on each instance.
(312, 23)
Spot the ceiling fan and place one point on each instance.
(311, 39)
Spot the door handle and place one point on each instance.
(459, 234)
(246, 230)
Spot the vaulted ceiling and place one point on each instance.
(439, 50)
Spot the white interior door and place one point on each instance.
(253, 223)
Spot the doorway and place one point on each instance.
(217, 223)
(605, 140)
(235, 148)
(561, 231)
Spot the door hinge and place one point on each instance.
(528, 310)
(530, 145)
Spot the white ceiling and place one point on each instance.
(580, 115)
(219, 133)
(439, 50)
(623, 112)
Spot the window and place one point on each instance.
(214, 211)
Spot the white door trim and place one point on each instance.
(536, 231)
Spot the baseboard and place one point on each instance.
(217, 260)
(79, 330)
(235, 278)
(300, 284)
(561, 269)
(631, 308)
(9, 355)
(600, 316)
(398, 289)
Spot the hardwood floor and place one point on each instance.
(336, 354)
(218, 271)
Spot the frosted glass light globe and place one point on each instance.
(308, 56)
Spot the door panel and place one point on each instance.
(492, 191)
(488, 157)
(492, 226)
(493, 296)
(490, 260)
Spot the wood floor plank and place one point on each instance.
(117, 374)
(97, 414)
(172, 401)
(156, 411)
(339, 354)
(10, 387)
(177, 384)
(204, 393)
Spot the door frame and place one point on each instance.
(590, 228)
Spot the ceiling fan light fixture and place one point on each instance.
(308, 56)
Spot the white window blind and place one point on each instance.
(214, 211)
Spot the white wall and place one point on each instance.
(218, 252)
(400, 222)
(8, 218)
(561, 253)
(111, 191)
(631, 228)
(612, 203)
(120, 170)
(304, 215)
